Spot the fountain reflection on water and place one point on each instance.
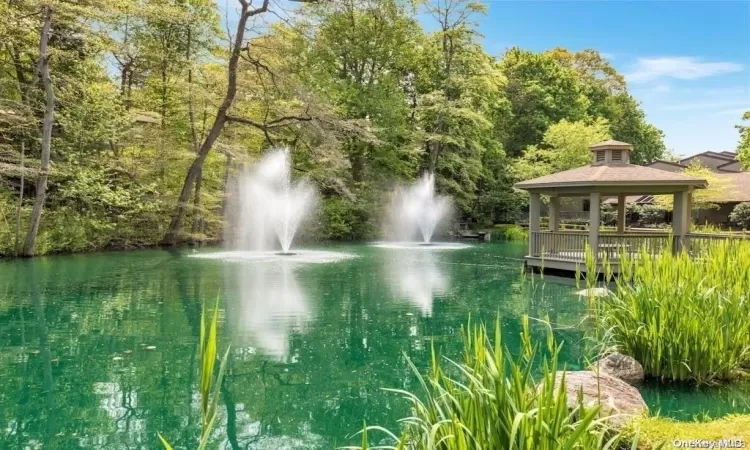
(418, 278)
(271, 305)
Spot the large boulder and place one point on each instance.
(619, 401)
(620, 366)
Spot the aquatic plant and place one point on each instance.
(492, 401)
(683, 318)
(209, 384)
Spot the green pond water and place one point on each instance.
(99, 350)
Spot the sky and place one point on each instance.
(686, 61)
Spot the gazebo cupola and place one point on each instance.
(611, 153)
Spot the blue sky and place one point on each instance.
(688, 62)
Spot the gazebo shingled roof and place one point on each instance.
(611, 167)
(611, 175)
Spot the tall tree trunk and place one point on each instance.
(197, 226)
(225, 196)
(49, 117)
(173, 232)
(20, 200)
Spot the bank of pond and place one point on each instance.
(103, 350)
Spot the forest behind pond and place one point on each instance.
(121, 121)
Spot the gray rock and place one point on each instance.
(619, 401)
(620, 366)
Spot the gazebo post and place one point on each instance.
(621, 213)
(535, 207)
(554, 213)
(680, 217)
(595, 206)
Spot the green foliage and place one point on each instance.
(542, 92)
(743, 146)
(648, 215)
(515, 233)
(659, 430)
(683, 318)
(494, 401)
(382, 97)
(740, 216)
(346, 219)
(702, 198)
(565, 146)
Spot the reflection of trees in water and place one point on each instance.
(337, 324)
(84, 311)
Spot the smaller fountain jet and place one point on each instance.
(418, 210)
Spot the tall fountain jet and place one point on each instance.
(267, 208)
(416, 210)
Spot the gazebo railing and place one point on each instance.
(561, 245)
(612, 245)
(571, 245)
(699, 243)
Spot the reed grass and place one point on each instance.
(210, 383)
(492, 401)
(683, 318)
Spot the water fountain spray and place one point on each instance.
(416, 210)
(268, 206)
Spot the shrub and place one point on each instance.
(515, 233)
(608, 214)
(740, 216)
(652, 215)
(683, 318)
(494, 402)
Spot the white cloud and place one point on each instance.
(706, 105)
(737, 112)
(681, 68)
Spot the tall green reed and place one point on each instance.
(683, 318)
(209, 383)
(492, 400)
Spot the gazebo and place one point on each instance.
(609, 175)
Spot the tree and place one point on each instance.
(565, 146)
(223, 116)
(740, 216)
(702, 198)
(607, 93)
(743, 146)
(49, 117)
(362, 57)
(461, 108)
(542, 92)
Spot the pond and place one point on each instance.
(99, 350)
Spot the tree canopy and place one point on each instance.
(153, 104)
